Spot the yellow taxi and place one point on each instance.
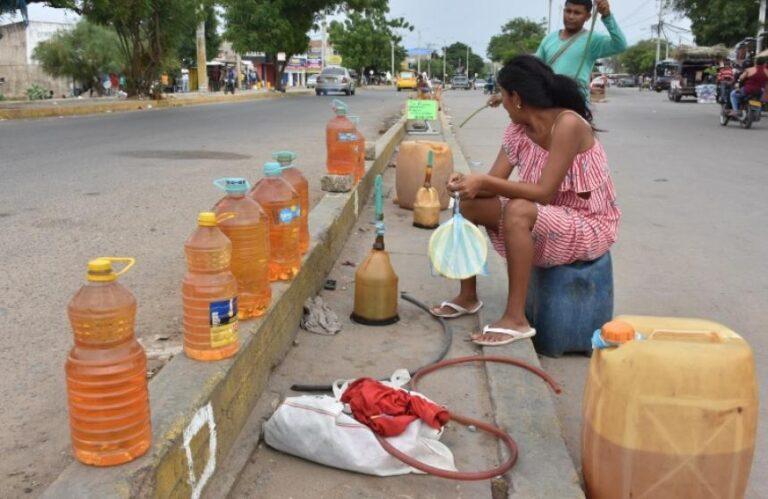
(407, 80)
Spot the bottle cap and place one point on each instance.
(340, 108)
(233, 185)
(285, 158)
(618, 332)
(272, 169)
(100, 269)
(206, 219)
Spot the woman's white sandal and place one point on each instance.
(513, 334)
(460, 311)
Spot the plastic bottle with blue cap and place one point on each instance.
(341, 142)
(244, 222)
(282, 205)
(301, 186)
(209, 293)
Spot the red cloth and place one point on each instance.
(388, 411)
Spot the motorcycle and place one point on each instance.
(750, 110)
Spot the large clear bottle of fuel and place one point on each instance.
(360, 164)
(209, 293)
(243, 221)
(282, 206)
(301, 186)
(341, 142)
(107, 371)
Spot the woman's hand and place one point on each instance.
(466, 186)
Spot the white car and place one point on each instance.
(480, 84)
(311, 81)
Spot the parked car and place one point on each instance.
(626, 82)
(311, 81)
(335, 79)
(460, 81)
(480, 84)
(406, 80)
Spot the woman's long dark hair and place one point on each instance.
(539, 86)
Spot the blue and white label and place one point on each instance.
(347, 137)
(285, 215)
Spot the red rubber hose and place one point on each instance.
(499, 433)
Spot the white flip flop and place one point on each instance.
(513, 334)
(460, 311)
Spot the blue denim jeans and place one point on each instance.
(736, 97)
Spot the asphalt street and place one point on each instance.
(127, 184)
(692, 242)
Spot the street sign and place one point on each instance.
(281, 57)
(334, 60)
(422, 110)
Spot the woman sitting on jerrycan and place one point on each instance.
(561, 210)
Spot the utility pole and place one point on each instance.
(658, 33)
(418, 56)
(202, 61)
(392, 61)
(549, 17)
(467, 61)
(761, 26)
(322, 38)
(444, 75)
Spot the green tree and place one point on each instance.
(720, 21)
(518, 36)
(456, 59)
(82, 54)
(274, 26)
(188, 48)
(640, 57)
(363, 40)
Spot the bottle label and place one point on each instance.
(284, 215)
(223, 319)
(347, 137)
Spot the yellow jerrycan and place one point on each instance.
(375, 279)
(670, 410)
(426, 208)
(409, 175)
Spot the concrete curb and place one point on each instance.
(199, 409)
(522, 403)
(34, 112)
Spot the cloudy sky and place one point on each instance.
(440, 22)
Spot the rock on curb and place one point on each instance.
(198, 408)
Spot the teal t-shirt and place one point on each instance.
(599, 46)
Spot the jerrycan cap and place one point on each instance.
(233, 185)
(206, 219)
(100, 269)
(272, 169)
(285, 158)
(618, 332)
(340, 108)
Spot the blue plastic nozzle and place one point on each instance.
(431, 158)
(378, 197)
(233, 185)
(380, 228)
(273, 169)
(285, 158)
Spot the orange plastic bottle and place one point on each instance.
(209, 293)
(107, 371)
(282, 206)
(360, 166)
(301, 186)
(341, 142)
(248, 231)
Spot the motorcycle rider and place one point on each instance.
(753, 82)
(725, 79)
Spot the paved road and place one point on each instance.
(693, 239)
(121, 184)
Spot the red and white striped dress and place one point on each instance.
(582, 221)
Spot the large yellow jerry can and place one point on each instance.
(671, 415)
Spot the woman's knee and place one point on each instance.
(519, 213)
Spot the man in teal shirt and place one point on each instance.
(564, 50)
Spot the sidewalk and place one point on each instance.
(510, 397)
(76, 107)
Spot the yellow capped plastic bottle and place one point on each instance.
(243, 221)
(281, 204)
(341, 142)
(360, 165)
(209, 293)
(301, 186)
(107, 371)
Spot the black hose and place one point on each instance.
(447, 342)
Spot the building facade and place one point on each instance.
(18, 68)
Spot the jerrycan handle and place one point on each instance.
(687, 335)
(378, 197)
(128, 261)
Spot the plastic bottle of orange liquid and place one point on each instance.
(281, 204)
(209, 293)
(360, 165)
(341, 142)
(301, 186)
(107, 371)
(248, 231)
